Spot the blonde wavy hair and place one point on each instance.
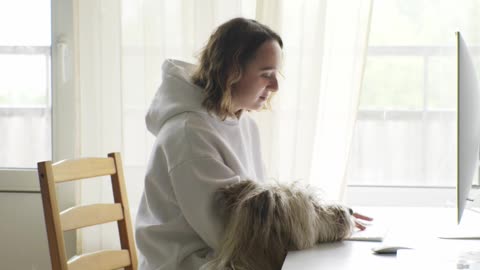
(223, 60)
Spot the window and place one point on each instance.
(25, 87)
(406, 128)
(27, 120)
(36, 123)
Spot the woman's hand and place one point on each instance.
(358, 220)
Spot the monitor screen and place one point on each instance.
(468, 123)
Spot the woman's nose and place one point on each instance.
(273, 85)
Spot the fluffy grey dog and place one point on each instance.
(264, 221)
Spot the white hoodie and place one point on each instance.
(195, 153)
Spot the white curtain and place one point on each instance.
(307, 135)
(100, 98)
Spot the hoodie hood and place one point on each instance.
(176, 95)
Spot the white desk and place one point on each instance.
(423, 225)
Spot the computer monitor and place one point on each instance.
(468, 123)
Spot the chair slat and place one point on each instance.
(82, 216)
(68, 170)
(100, 260)
(88, 215)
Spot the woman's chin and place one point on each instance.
(257, 107)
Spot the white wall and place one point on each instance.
(23, 235)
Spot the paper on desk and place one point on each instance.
(439, 259)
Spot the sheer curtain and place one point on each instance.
(98, 67)
(307, 135)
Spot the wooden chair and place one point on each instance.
(83, 216)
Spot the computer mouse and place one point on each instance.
(388, 249)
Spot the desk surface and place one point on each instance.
(416, 227)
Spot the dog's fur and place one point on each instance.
(264, 221)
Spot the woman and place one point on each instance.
(205, 140)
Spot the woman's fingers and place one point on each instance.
(362, 217)
(358, 220)
(360, 225)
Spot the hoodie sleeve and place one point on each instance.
(194, 183)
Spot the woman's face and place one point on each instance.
(259, 78)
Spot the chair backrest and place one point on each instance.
(83, 216)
